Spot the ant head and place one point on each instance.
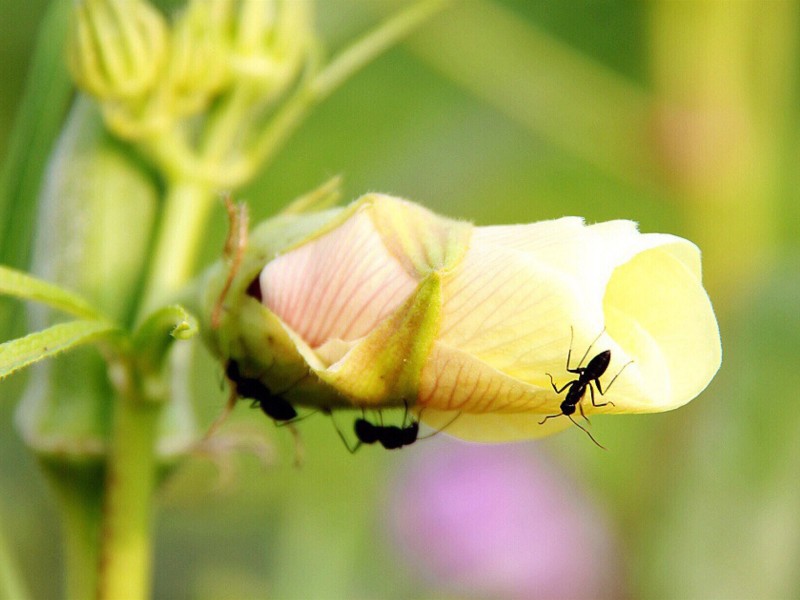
(568, 406)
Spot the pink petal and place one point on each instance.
(338, 286)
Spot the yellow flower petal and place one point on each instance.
(490, 427)
(657, 310)
(511, 310)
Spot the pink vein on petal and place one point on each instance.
(339, 285)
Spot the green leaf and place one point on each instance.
(26, 287)
(156, 334)
(37, 124)
(18, 354)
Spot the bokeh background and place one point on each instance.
(682, 116)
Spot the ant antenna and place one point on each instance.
(441, 429)
(589, 349)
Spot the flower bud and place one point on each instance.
(116, 47)
(270, 41)
(198, 58)
(385, 303)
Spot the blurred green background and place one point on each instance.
(682, 116)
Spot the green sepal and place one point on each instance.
(384, 368)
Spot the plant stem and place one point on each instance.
(340, 69)
(80, 492)
(11, 583)
(186, 211)
(126, 557)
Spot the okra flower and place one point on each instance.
(385, 304)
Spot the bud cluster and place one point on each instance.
(197, 86)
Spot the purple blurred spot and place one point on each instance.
(501, 522)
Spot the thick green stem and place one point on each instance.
(126, 557)
(186, 211)
(11, 584)
(80, 492)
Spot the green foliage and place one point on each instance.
(22, 352)
(25, 287)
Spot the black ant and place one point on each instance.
(391, 437)
(588, 377)
(273, 406)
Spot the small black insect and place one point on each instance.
(270, 404)
(588, 377)
(390, 437)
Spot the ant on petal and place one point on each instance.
(588, 377)
(274, 406)
(391, 437)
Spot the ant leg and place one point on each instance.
(232, 397)
(599, 389)
(558, 391)
(299, 448)
(586, 431)
(351, 450)
(405, 413)
(295, 420)
(450, 422)
(550, 417)
(580, 406)
(591, 391)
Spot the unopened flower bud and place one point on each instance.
(199, 55)
(117, 47)
(270, 41)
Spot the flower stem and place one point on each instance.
(341, 68)
(11, 583)
(79, 490)
(374, 43)
(186, 211)
(126, 557)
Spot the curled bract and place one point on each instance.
(385, 303)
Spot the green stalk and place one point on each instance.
(183, 224)
(11, 583)
(126, 556)
(80, 498)
(339, 70)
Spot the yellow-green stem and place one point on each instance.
(341, 68)
(11, 584)
(186, 211)
(126, 556)
(80, 492)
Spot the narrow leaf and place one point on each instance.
(18, 354)
(36, 125)
(26, 287)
